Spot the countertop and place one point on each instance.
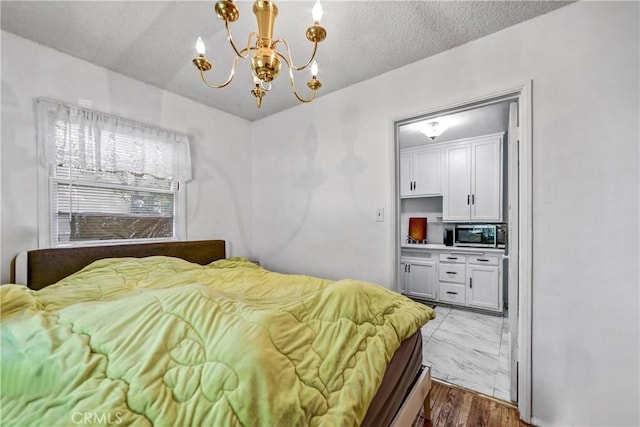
(442, 247)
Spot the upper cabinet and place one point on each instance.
(473, 180)
(421, 172)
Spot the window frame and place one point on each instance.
(47, 179)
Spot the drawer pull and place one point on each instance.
(451, 272)
(452, 293)
(483, 259)
(451, 257)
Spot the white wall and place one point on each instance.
(218, 205)
(321, 170)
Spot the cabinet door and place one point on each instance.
(422, 280)
(456, 200)
(483, 287)
(427, 172)
(486, 180)
(403, 277)
(406, 174)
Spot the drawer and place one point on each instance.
(452, 272)
(452, 293)
(457, 258)
(484, 259)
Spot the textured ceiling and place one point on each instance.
(154, 41)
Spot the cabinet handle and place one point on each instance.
(483, 259)
(473, 199)
(452, 293)
(468, 199)
(414, 185)
(471, 282)
(409, 268)
(451, 257)
(451, 272)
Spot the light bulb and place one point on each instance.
(200, 46)
(314, 69)
(316, 12)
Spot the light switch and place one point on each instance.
(380, 214)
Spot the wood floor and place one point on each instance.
(456, 406)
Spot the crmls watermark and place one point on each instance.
(96, 418)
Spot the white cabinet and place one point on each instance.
(457, 193)
(483, 287)
(452, 277)
(484, 282)
(459, 276)
(473, 180)
(418, 277)
(452, 293)
(421, 172)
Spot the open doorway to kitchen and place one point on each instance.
(463, 241)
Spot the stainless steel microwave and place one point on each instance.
(476, 235)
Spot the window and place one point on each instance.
(109, 179)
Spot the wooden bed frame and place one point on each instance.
(40, 268)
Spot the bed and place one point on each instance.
(178, 334)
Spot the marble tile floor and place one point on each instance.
(469, 349)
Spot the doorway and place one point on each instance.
(506, 115)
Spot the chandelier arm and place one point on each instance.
(233, 72)
(233, 45)
(290, 63)
(313, 95)
(293, 83)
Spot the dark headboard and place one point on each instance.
(47, 266)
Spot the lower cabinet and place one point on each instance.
(484, 283)
(452, 278)
(483, 292)
(452, 293)
(419, 277)
(473, 280)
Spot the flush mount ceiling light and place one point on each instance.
(434, 128)
(265, 61)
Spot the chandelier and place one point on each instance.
(266, 58)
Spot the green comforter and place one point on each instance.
(160, 341)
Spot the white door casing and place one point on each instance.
(520, 218)
(512, 244)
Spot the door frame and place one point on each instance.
(523, 94)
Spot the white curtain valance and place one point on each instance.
(77, 138)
